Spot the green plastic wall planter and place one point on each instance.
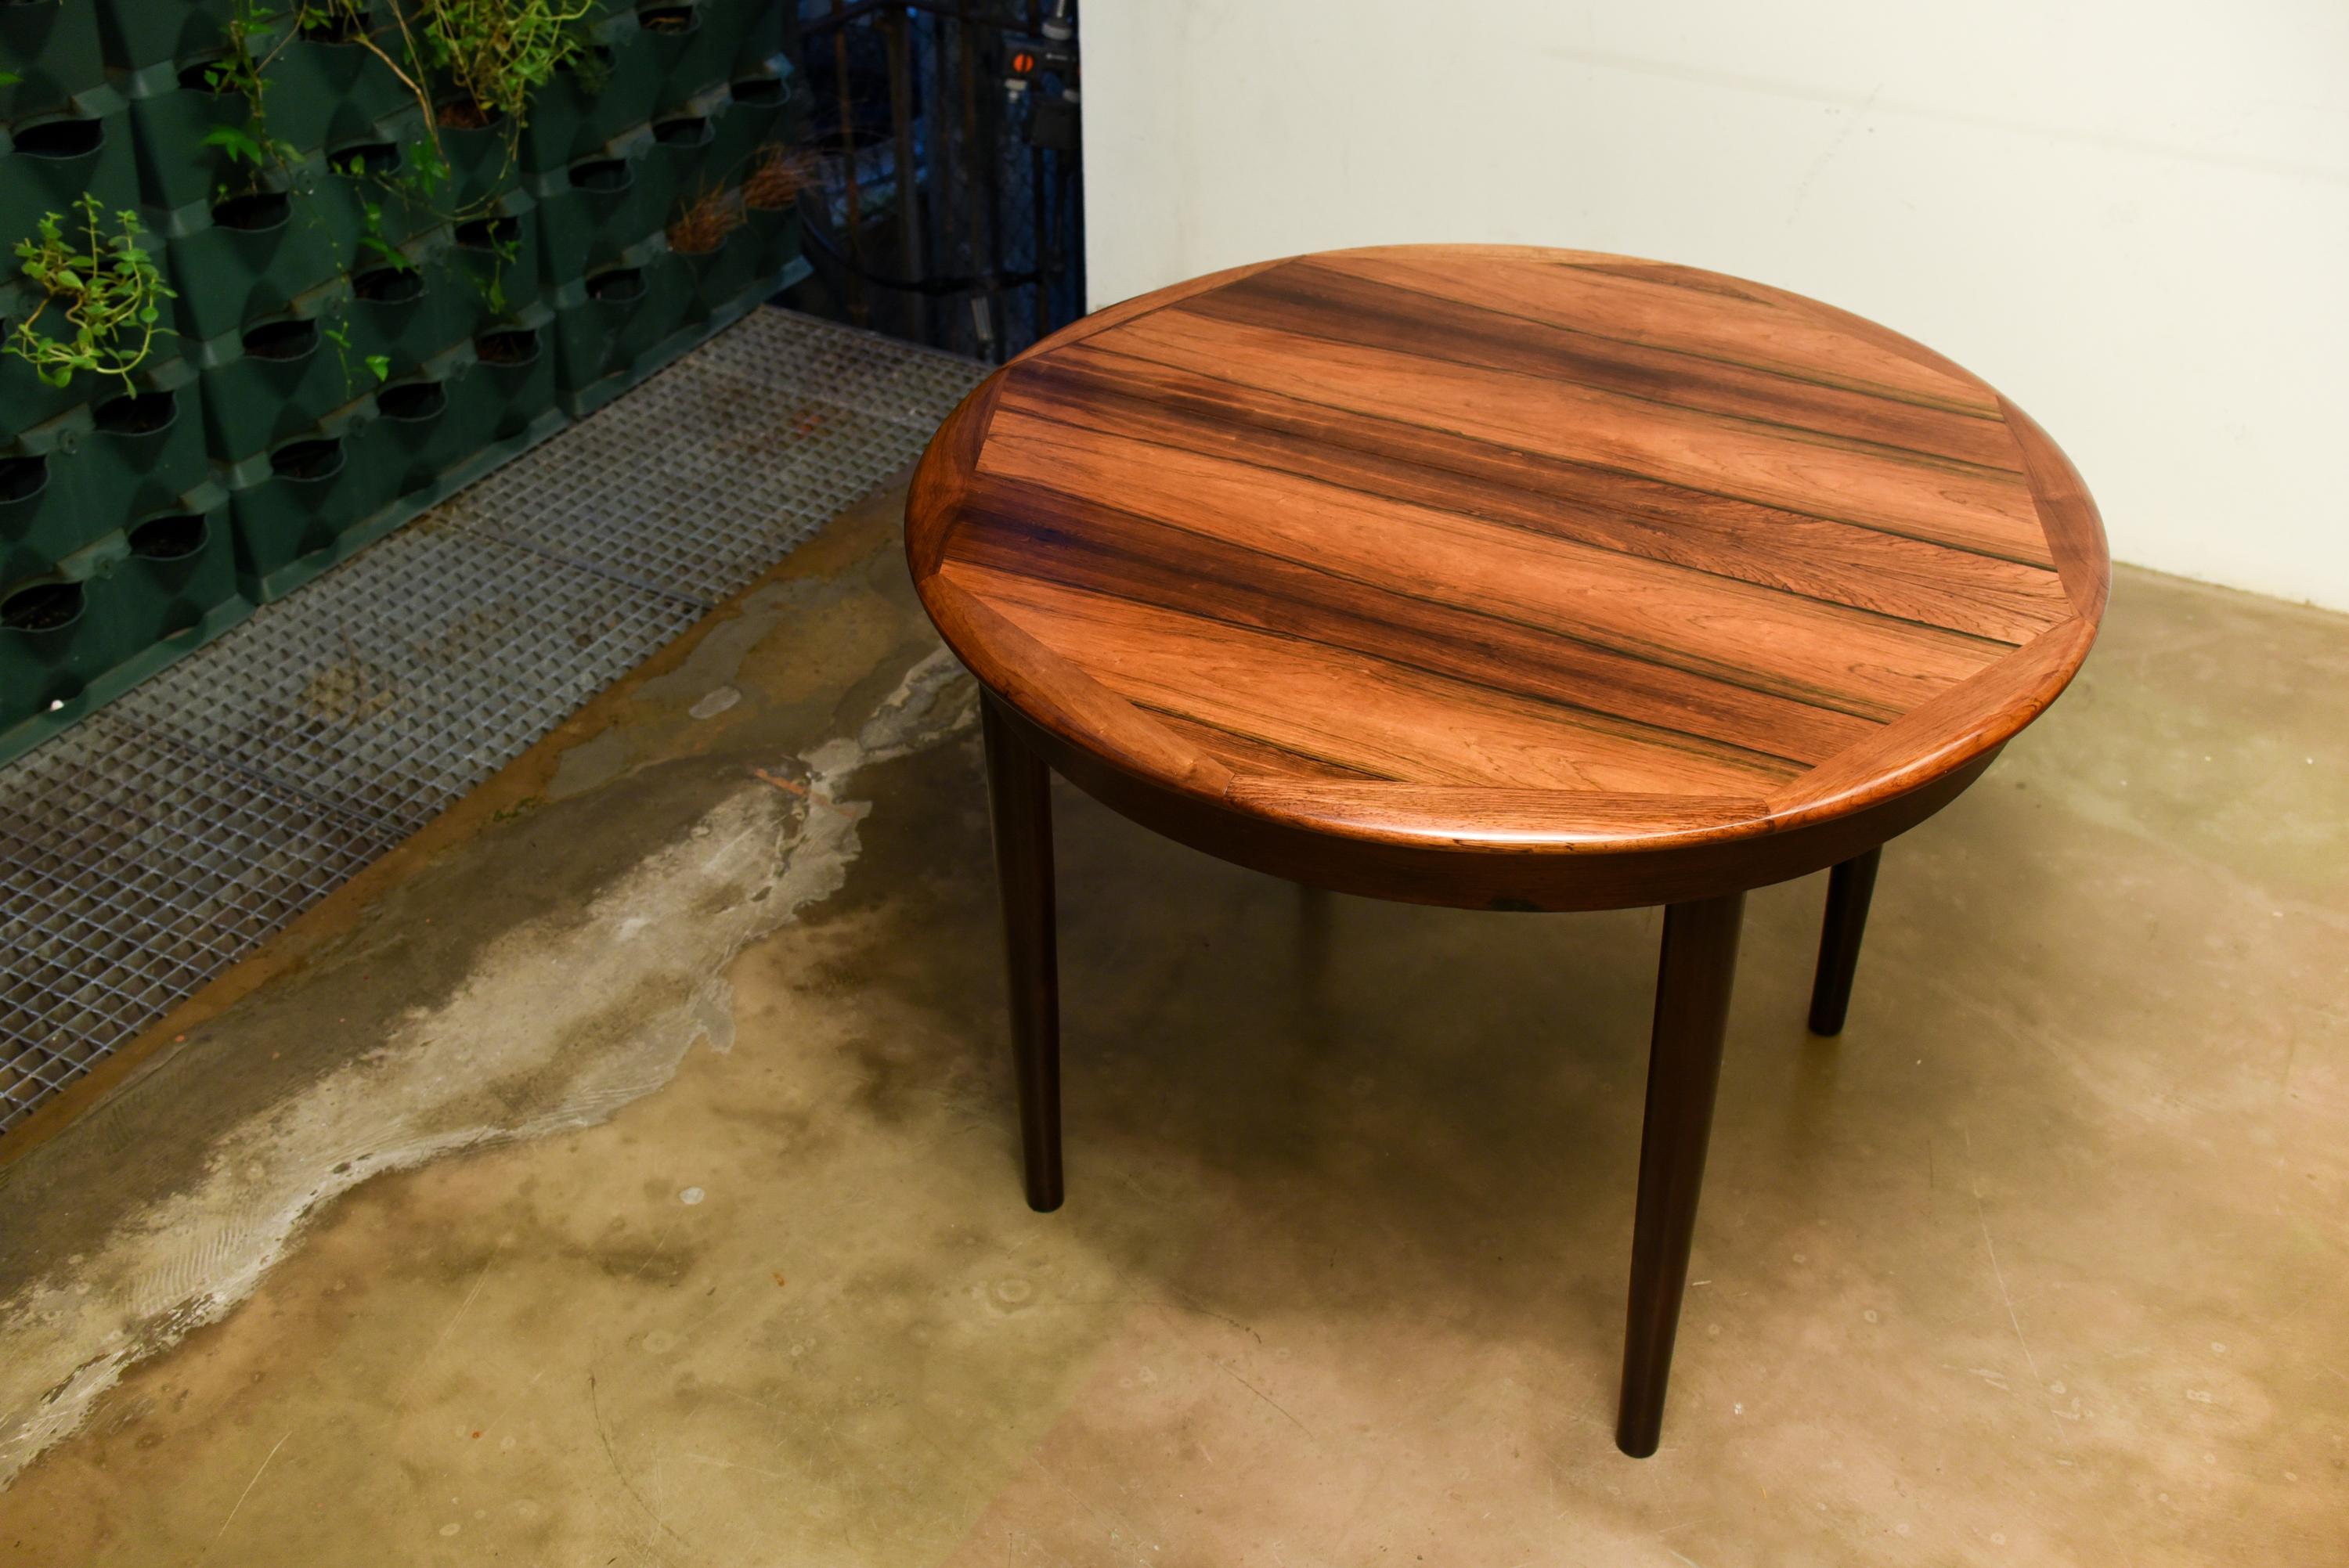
(482, 161)
(282, 375)
(722, 38)
(41, 523)
(131, 451)
(498, 255)
(775, 235)
(52, 645)
(416, 441)
(511, 384)
(26, 400)
(50, 162)
(685, 161)
(761, 32)
(693, 42)
(457, 281)
(360, 195)
(52, 49)
(757, 112)
(138, 34)
(320, 96)
(593, 101)
(317, 501)
(173, 109)
(250, 254)
(253, 449)
(610, 321)
(175, 584)
(591, 209)
(117, 613)
(723, 275)
(408, 314)
(326, 90)
(294, 517)
(146, 447)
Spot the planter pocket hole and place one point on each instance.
(603, 176)
(686, 131)
(376, 157)
(61, 138)
(135, 413)
(169, 538)
(488, 233)
(282, 340)
(255, 211)
(464, 114)
(515, 346)
(200, 77)
(43, 607)
(412, 402)
(620, 286)
(670, 20)
(308, 462)
(22, 479)
(388, 285)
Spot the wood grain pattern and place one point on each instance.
(944, 475)
(1817, 558)
(2076, 533)
(1499, 554)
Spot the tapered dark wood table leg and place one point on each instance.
(1692, 983)
(1018, 788)
(1849, 886)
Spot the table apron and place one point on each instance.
(1470, 878)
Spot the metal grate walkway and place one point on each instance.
(165, 836)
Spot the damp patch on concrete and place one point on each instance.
(558, 1022)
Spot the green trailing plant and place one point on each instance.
(100, 291)
(255, 42)
(499, 52)
(495, 54)
(337, 334)
(494, 238)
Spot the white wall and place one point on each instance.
(2132, 216)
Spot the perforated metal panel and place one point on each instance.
(161, 840)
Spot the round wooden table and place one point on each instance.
(1506, 578)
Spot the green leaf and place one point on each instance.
(381, 364)
(237, 143)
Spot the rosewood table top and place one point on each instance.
(1620, 574)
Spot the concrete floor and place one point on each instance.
(624, 1172)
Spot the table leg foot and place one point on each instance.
(1018, 789)
(1692, 983)
(1849, 886)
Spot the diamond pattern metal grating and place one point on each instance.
(164, 838)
